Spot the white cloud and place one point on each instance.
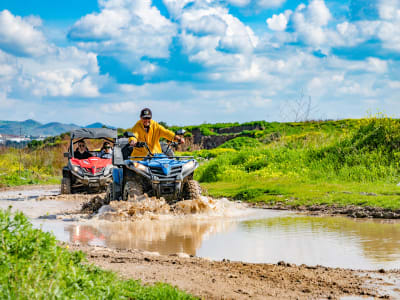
(232, 35)
(116, 108)
(175, 7)
(269, 3)
(310, 22)
(239, 3)
(389, 9)
(207, 24)
(376, 65)
(126, 29)
(394, 84)
(19, 36)
(278, 22)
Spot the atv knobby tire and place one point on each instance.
(109, 193)
(191, 190)
(132, 190)
(66, 186)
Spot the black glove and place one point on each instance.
(140, 144)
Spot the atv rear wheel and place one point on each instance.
(132, 190)
(66, 186)
(191, 190)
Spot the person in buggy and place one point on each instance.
(106, 150)
(149, 131)
(82, 151)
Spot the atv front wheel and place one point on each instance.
(132, 190)
(109, 194)
(191, 190)
(66, 186)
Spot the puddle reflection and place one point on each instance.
(165, 237)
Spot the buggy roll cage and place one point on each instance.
(91, 133)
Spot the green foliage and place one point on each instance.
(30, 166)
(241, 142)
(348, 151)
(207, 131)
(33, 266)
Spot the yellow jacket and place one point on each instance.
(152, 138)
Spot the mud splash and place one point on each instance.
(152, 208)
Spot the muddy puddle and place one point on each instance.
(215, 229)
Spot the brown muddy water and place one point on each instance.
(227, 231)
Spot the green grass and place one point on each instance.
(30, 166)
(33, 266)
(337, 166)
(298, 193)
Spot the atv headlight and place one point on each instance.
(140, 167)
(77, 169)
(188, 166)
(107, 170)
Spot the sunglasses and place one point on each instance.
(81, 145)
(107, 147)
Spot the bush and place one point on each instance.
(240, 143)
(33, 266)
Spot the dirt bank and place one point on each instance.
(352, 211)
(30, 187)
(236, 280)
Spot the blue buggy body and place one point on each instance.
(158, 175)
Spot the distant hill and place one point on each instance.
(32, 127)
(98, 125)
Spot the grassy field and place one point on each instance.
(33, 266)
(338, 162)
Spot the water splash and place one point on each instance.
(144, 207)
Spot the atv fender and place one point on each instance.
(117, 175)
(66, 173)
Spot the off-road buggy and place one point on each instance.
(93, 173)
(160, 175)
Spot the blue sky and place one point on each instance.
(195, 61)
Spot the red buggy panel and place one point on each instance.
(92, 164)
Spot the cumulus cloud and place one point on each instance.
(65, 72)
(279, 22)
(126, 29)
(232, 35)
(19, 36)
(310, 21)
(206, 24)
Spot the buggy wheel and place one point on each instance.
(109, 194)
(191, 190)
(66, 185)
(132, 190)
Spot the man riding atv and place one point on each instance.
(149, 131)
(149, 167)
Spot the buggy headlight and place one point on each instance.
(107, 170)
(77, 169)
(140, 167)
(188, 166)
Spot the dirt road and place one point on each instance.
(236, 280)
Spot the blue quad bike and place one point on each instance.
(160, 175)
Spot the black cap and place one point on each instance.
(145, 113)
